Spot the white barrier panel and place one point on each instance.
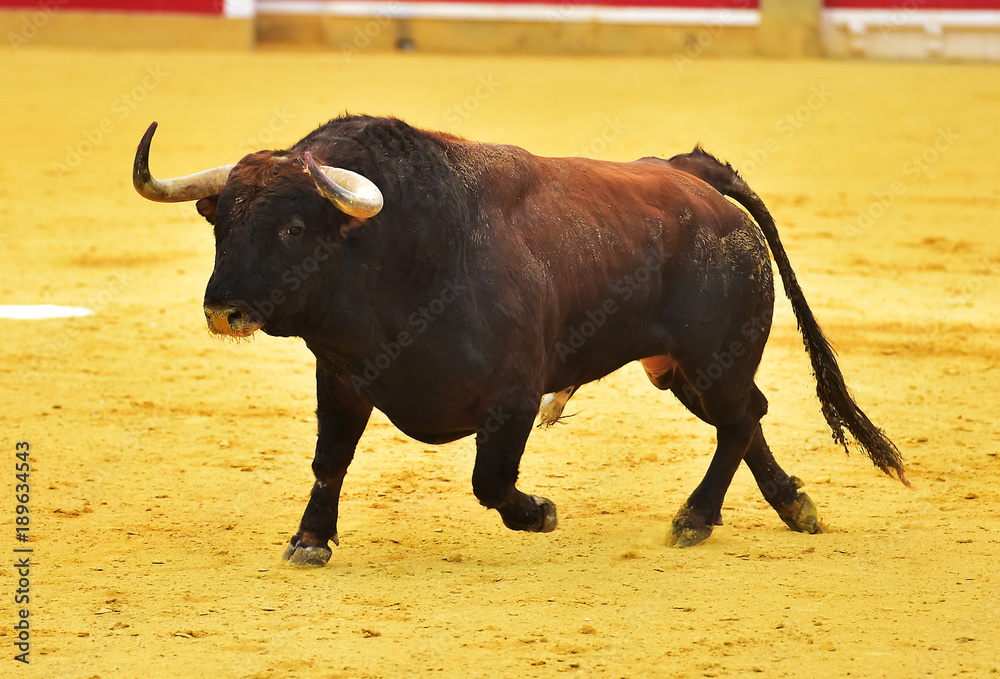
(911, 30)
(613, 11)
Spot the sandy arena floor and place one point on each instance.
(169, 468)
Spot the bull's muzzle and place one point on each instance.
(234, 319)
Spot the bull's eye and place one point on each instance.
(293, 230)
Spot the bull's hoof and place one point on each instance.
(800, 514)
(546, 523)
(306, 556)
(688, 529)
(549, 518)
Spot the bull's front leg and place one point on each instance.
(500, 438)
(342, 416)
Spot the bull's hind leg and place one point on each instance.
(500, 438)
(736, 414)
(342, 415)
(780, 490)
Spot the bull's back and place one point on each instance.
(607, 217)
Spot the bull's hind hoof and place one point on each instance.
(546, 523)
(800, 514)
(306, 556)
(688, 529)
(549, 518)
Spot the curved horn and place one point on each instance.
(352, 193)
(179, 189)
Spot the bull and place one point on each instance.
(452, 285)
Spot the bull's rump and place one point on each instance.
(624, 261)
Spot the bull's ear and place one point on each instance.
(206, 208)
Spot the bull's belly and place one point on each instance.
(435, 438)
(429, 412)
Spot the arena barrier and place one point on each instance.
(964, 30)
(129, 24)
(967, 30)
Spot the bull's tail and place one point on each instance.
(839, 408)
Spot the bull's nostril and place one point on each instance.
(235, 319)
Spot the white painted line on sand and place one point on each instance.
(37, 311)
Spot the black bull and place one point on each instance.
(452, 284)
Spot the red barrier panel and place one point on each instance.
(910, 5)
(210, 7)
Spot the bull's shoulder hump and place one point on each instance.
(483, 153)
(492, 166)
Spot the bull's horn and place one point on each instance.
(178, 189)
(352, 193)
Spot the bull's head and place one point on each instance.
(274, 213)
